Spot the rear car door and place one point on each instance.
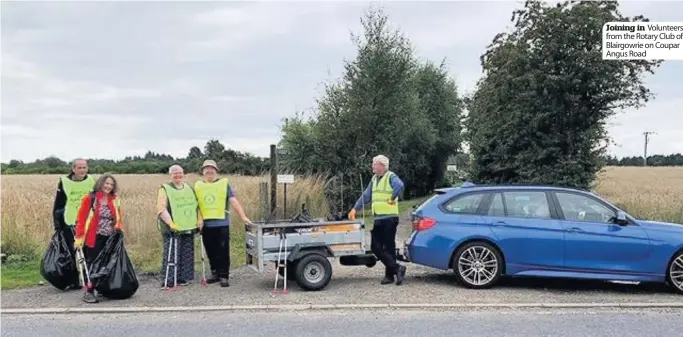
(525, 229)
(594, 242)
(456, 218)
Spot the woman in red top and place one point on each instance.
(99, 217)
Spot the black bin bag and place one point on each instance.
(112, 272)
(58, 266)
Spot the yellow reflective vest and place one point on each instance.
(75, 191)
(381, 193)
(212, 198)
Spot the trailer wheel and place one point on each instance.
(291, 271)
(313, 272)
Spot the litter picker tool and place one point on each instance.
(362, 189)
(172, 245)
(82, 266)
(201, 243)
(281, 254)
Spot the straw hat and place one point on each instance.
(209, 163)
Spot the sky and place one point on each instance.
(116, 79)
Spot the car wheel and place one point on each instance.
(675, 272)
(313, 272)
(477, 265)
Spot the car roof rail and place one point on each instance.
(471, 184)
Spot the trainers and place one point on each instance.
(212, 279)
(90, 298)
(387, 280)
(224, 282)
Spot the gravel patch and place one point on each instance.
(353, 285)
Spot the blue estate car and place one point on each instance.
(484, 232)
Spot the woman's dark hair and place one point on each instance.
(100, 182)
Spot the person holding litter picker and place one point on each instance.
(99, 217)
(382, 193)
(215, 196)
(70, 192)
(178, 221)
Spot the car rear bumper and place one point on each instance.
(406, 248)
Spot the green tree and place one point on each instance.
(386, 102)
(195, 153)
(229, 161)
(539, 112)
(442, 105)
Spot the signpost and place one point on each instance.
(285, 179)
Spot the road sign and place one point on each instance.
(285, 178)
(452, 167)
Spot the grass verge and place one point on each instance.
(20, 274)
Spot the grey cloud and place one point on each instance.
(167, 76)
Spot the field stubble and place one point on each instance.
(654, 193)
(27, 202)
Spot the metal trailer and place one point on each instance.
(309, 245)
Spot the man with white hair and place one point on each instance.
(382, 192)
(70, 191)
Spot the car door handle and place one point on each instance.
(500, 223)
(574, 230)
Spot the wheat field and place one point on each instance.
(27, 202)
(653, 193)
(647, 192)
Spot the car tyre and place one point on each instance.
(674, 274)
(313, 272)
(477, 265)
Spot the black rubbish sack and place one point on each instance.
(58, 266)
(112, 272)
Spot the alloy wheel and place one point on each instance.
(478, 265)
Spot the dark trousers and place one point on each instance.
(90, 253)
(383, 243)
(217, 244)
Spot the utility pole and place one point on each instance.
(647, 140)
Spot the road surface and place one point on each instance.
(352, 323)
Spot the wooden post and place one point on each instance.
(273, 180)
(284, 205)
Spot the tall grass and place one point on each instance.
(27, 202)
(653, 193)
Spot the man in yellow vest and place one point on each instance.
(383, 192)
(215, 196)
(70, 191)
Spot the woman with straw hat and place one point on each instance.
(215, 195)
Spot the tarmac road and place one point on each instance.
(353, 323)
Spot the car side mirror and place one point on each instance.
(620, 219)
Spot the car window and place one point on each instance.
(426, 202)
(466, 204)
(577, 207)
(527, 204)
(497, 208)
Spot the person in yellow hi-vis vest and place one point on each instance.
(178, 217)
(70, 191)
(215, 195)
(383, 192)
